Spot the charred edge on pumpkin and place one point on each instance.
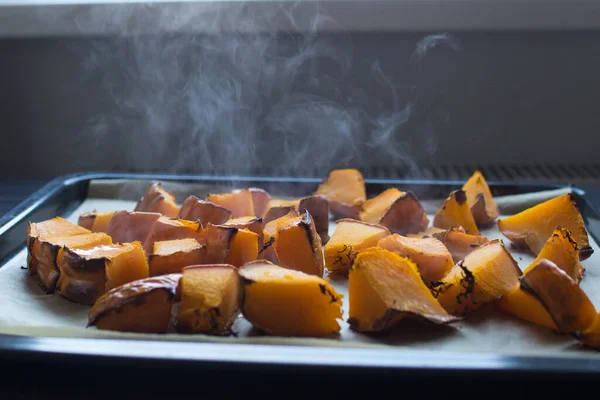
(566, 234)
(326, 291)
(266, 245)
(585, 252)
(354, 323)
(460, 196)
(307, 223)
(385, 321)
(414, 223)
(467, 282)
(436, 287)
(526, 287)
(81, 264)
(347, 251)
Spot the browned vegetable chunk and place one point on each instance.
(239, 202)
(480, 199)
(210, 296)
(350, 237)
(171, 256)
(218, 240)
(142, 306)
(274, 213)
(526, 307)
(345, 191)
(286, 302)
(260, 199)
(532, 228)
(268, 250)
(96, 222)
(318, 208)
(194, 209)
(171, 229)
(400, 212)
(252, 224)
(243, 248)
(459, 243)
(384, 288)
(127, 227)
(158, 200)
(456, 213)
(86, 220)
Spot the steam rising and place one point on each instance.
(236, 103)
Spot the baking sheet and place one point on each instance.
(26, 310)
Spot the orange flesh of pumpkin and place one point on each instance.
(384, 288)
(456, 212)
(298, 246)
(591, 336)
(243, 248)
(345, 191)
(194, 209)
(142, 306)
(351, 236)
(101, 221)
(127, 267)
(533, 227)
(158, 200)
(239, 202)
(318, 208)
(430, 255)
(375, 208)
(171, 229)
(274, 213)
(286, 302)
(252, 224)
(480, 199)
(260, 199)
(568, 305)
(526, 307)
(126, 227)
(218, 242)
(486, 274)
(171, 256)
(209, 299)
(459, 243)
(270, 228)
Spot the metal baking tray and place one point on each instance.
(62, 195)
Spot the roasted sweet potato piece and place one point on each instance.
(298, 246)
(194, 209)
(431, 256)
(486, 274)
(158, 200)
(86, 274)
(400, 212)
(239, 202)
(350, 237)
(171, 256)
(142, 306)
(260, 199)
(253, 224)
(480, 199)
(286, 302)
(45, 253)
(459, 243)
(345, 191)
(568, 305)
(532, 228)
(456, 213)
(170, 229)
(127, 227)
(210, 296)
(526, 307)
(384, 288)
(218, 240)
(243, 248)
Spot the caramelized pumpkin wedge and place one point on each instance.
(243, 248)
(171, 256)
(142, 306)
(210, 296)
(298, 246)
(260, 199)
(127, 227)
(318, 208)
(431, 256)
(253, 224)
(350, 237)
(239, 202)
(525, 306)
(194, 209)
(94, 221)
(400, 212)
(274, 213)
(171, 229)
(484, 275)
(532, 228)
(459, 243)
(158, 200)
(345, 191)
(384, 288)
(456, 213)
(480, 199)
(286, 302)
(269, 231)
(86, 274)
(218, 241)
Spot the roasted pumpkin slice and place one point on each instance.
(568, 305)
(239, 202)
(95, 222)
(456, 213)
(384, 288)
(86, 274)
(298, 246)
(532, 228)
(243, 248)
(260, 199)
(253, 224)
(127, 227)
(268, 250)
(86, 220)
(400, 212)
(459, 243)
(171, 256)
(431, 256)
(480, 199)
(274, 213)
(171, 229)
(142, 306)
(350, 237)
(345, 191)
(318, 208)
(525, 306)
(194, 209)
(210, 296)
(286, 302)
(218, 241)
(485, 275)
(45, 253)
(158, 200)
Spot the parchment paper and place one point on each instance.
(26, 310)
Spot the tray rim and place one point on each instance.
(243, 355)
